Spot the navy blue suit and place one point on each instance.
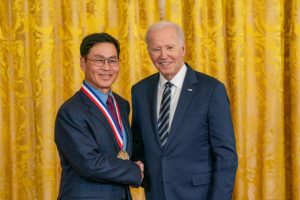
(199, 160)
(88, 152)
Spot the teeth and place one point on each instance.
(164, 63)
(105, 75)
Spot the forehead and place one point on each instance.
(163, 36)
(103, 49)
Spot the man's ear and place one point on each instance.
(82, 64)
(183, 49)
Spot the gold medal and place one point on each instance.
(123, 155)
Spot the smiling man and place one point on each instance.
(181, 125)
(92, 130)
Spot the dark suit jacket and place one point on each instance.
(199, 160)
(88, 152)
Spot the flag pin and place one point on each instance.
(190, 90)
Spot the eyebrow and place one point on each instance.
(101, 56)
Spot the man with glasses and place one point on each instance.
(92, 130)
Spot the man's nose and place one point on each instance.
(163, 53)
(106, 65)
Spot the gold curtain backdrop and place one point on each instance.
(253, 46)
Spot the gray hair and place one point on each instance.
(163, 24)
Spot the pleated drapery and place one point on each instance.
(253, 46)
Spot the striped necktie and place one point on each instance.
(164, 114)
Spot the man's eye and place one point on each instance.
(99, 60)
(112, 61)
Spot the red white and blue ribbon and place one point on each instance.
(102, 107)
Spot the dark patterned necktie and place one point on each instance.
(112, 110)
(164, 114)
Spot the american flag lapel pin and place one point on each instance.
(190, 89)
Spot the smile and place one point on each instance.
(164, 63)
(105, 75)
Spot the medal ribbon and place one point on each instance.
(102, 107)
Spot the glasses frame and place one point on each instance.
(99, 63)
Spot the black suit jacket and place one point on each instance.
(199, 160)
(88, 152)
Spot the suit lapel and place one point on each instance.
(152, 98)
(94, 110)
(127, 130)
(187, 92)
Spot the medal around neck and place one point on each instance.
(123, 155)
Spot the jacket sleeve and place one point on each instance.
(223, 144)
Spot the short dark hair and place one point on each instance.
(91, 40)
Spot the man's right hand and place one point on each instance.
(141, 166)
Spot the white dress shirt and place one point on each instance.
(177, 82)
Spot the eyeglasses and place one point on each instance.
(99, 62)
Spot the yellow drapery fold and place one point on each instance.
(252, 46)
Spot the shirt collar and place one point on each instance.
(177, 80)
(100, 94)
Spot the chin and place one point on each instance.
(166, 72)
